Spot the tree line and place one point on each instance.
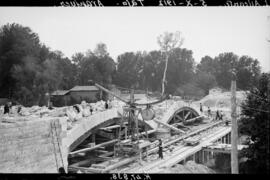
(29, 69)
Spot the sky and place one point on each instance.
(206, 30)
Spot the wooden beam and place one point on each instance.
(179, 117)
(180, 124)
(193, 119)
(170, 126)
(81, 163)
(101, 151)
(95, 147)
(119, 164)
(105, 134)
(84, 169)
(106, 154)
(186, 116)
(110, 127)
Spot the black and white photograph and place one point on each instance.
(135, 91)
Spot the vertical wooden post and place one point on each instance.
(125, 132)
(208, 156)
(94, 138)
(234, 134)
(203, 157)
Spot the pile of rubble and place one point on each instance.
(72, 113)
(222, 100)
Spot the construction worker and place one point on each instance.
(209, 112)
(6, 109)
(19, 110)
(217, 115)
(91, 110)
(201, 108)
(221, 115)
(106, 105)
(160, 149)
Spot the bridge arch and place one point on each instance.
(95, 128)
(183, 114)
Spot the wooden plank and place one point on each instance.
(180, 124)
(95, 147)
(106, 135)
(170, 126)
(101, 151)
(178, 117)
(110, 127)
(84, 170)
(119, 164)
(193, 119)
(106, 154)
(217, 150)
(186, 116)
(98, 166)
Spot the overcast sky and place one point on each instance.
(206, 30)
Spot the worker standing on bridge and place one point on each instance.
(221, 115)
(7, 108)
(160, 149)
(209, 112)
(91, 109)
(217, 115)
(201, 108)
(106, 105)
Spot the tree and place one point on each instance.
(255, 124)
(208, 65)
(16, 42)
(97, 66)
(226, 61)
(167, 42)
(127, 69)
(190, 90)
(101, 50)
(28, 69)
(205, 81)
(152, 66)
(180, 69)
(248, 71)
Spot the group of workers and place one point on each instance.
(10, 109)
(219, 114)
